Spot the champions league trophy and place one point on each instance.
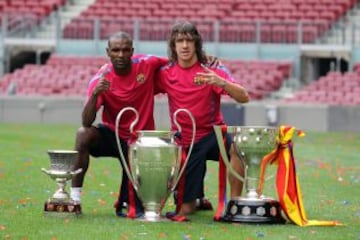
(154, 164)
(61, 162)
(251, 143)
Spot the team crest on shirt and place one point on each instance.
(198, 80)
(140, 78)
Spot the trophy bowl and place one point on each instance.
(251, 143)
(155, 162)
(61, 163)
(154, 165)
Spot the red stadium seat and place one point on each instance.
(285, 11)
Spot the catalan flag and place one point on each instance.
(287, 183)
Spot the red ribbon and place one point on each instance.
(222, 181)
(181, 184)
(132, 205)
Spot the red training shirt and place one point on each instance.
(136, 90)
(203, 101)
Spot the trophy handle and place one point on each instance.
(192, 141)
(45, 171)
(132, 125)
(219, 138)
(77, 171)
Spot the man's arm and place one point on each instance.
(89, 111)
(234, 90)
(90, 108)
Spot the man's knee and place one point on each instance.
(85, 136)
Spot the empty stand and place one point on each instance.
(260, 78)
(24, 15)
(281, 21)
(68, 75)
(38, 8)
(333, 89)
(61, 75)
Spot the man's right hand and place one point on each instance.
(101, 86)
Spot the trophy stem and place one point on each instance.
(251, 183)
(251, 190)
(61, 194)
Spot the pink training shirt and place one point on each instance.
(203, 101)
(136, 90)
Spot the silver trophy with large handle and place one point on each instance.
(61, 162)
(251, 143)
(154, 164)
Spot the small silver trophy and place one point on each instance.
(61, 162)
(154, 165)
(251, 143)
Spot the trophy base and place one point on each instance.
(243, 210)
(62, 208)
(150, 216)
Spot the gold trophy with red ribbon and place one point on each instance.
(251, 143)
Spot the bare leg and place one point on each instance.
(84, 138)
(187, 208)
(238, 165)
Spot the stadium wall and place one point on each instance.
(323, 118)
(245, 51)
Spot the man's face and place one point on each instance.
(120, 52)
(185, 47)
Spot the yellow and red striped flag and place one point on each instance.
(287, 183)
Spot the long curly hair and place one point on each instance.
(186, 28)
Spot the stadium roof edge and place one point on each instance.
(326, 51)
(31, 44)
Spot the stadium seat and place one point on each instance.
(285, 11)
(68, 75)
(334, 88)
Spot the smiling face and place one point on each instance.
(120, 51)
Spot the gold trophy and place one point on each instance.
(154, 164)
(251, 143)
(61, 162)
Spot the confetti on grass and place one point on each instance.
(101, 201)
(162, 235)
(186, 237)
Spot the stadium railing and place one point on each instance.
(217, 31)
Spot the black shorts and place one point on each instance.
(107, 145)
(206, 149)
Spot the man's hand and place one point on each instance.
(209, 77)
(102, 85)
